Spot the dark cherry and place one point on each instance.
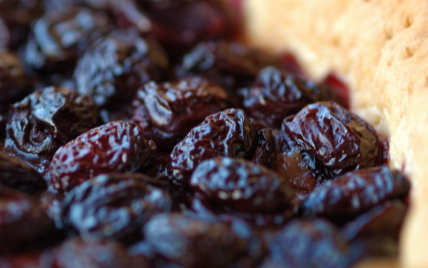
(232, 65)
(14, 173)
(61, 36)
(383, 220)
(79, 253)
(47, 119)
(166, 112)
(311, 243)
(339, 140)
(276, 95)
(355, 192)
(110, 148)
(242, 186)
(191, 242)
(22, 222)
(115, 67)
(227, 133)
(178, 25)
(113, 206)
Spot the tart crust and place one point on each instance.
(380, 48)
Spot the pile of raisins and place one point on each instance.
(141, 133)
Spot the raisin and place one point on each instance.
(51, 202)
(276, 95)
(385, 219)
(241, 186)
(110, 148)
(22, 223)
(231, 65)
(4, 36)
(311, 243)
(113, 206)
(339, 140)
(61, 36)
(191, 242)
(112, 70)
(265, 152)
(16, 174)
(32, 259)
(226, 133)
(178, 25)
(62, 4)
(355, 192)
(79, 253)
(166, 112)
(45, 120)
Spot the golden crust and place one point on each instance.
(380, 48)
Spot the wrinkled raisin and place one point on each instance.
(168, 111)
(110, 148)
(355, 192)
(227, 133)
(45, 120)
(4, 36)
(113, 206)
(60, 36)
(22, 223)
(265, 152)
(241, 186)
(277, 95)
(112, 70)
(341, 141)
(61, 4)
(191, 242)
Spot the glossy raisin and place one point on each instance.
(311, 243)
(45, 120)
(341, 141)
(62, 4)
(110, 148)
(22, 223)
(4, 36)
(355, 192)
(231, 65)
(178, 25)
(113, 206)
(227, 133)
(61, 36)
(276, 95)
(265, 152)
(190, 242)
(168, 111)
(114, 68)
(16, 174)
(241, 186)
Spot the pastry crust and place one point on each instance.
(380, 48)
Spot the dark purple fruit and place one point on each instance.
(113, 206)
(4, 36)
(355, 192)
(111, 148)
(166, 112)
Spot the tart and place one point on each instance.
(379, 48)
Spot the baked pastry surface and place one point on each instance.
(380, 48)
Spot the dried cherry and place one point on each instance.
(355, 192)
(227, 133)
(166, 112)
(113, 206)
(113, 68)
(110, 148)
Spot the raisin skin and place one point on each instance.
(45, 120)
(232, 65)
(166, 112)
(241, 186)
(338, 139)
(110, 148)
(355, 192)
(192, 242)
(311, 243)
(226, 133)
(113, 206)
(276, 95)
(17, 175)
(113, 68)
(61, 36)
(265, 152)
(21, 221)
